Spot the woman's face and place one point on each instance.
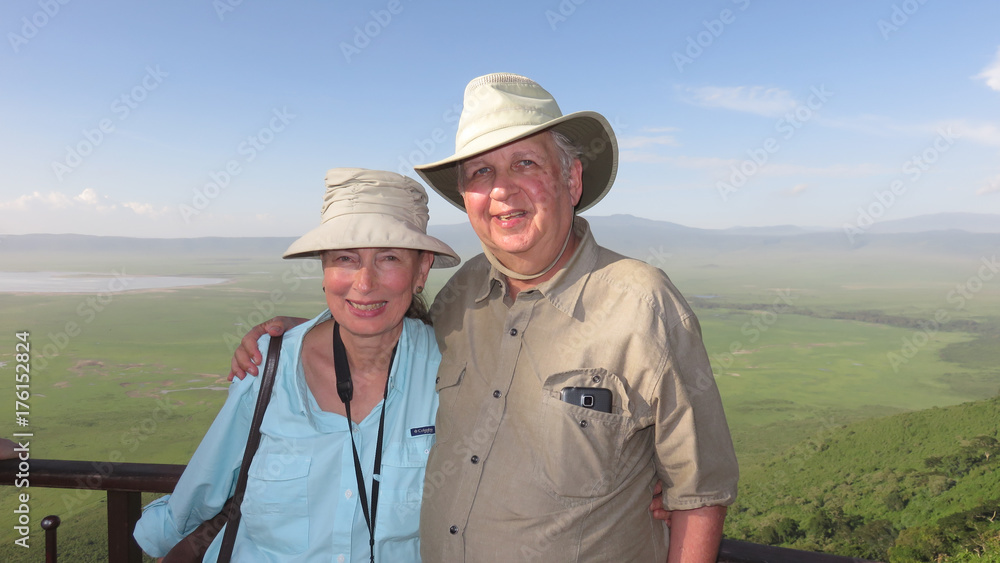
(369, 290)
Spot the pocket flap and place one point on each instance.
(279, 467)
(412, 452)
(449, 374)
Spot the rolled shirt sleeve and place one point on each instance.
(694, 451)
(210, 477)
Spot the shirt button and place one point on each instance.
(497, 394)
(584, 424)
(437, 380)
(513, 332)
(596, 379)
(341, 558)
(474, 459)
(348, 494)
(453, 529)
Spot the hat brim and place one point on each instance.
(588, 129)
(370, 230)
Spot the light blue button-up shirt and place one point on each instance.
(302, 501)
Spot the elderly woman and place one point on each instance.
(309, 494)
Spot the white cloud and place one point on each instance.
(832, 171)
(772, 169)
(984, 133)
(991, 74)
(660, 129)
(759, 100)
(88, 199)
(678, 161)
(992, 187)
(52, 200)
(146, 209)
(641, 141)
(798, 189)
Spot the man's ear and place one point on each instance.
(576, 181)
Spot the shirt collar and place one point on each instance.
(302, 397)
(564, 289)
(303, 400)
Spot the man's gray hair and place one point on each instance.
(568, 152)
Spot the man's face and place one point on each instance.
(519, 202)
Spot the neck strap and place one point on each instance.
(518, 276)
(345, 388)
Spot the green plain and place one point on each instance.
(802, 344)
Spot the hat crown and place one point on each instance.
(372, 209)
(350, 191)
(502, 100)
(503, 108)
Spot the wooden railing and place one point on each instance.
(125, 482)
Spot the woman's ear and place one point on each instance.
(426, 261)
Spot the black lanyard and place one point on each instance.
(345, 388)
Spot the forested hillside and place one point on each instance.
(911, 487)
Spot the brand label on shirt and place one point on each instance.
(421, 431)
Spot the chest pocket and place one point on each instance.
(448, 385)
(400, 492)
(581, 448)
(275, 508)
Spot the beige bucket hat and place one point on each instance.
(372, 209)
(502, 108)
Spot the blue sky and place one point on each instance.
(202, 118)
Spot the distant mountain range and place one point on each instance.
(968, 222)
(942, 232)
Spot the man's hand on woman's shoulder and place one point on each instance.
(247, 356)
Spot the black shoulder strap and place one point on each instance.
(266, 384)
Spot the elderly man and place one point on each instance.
(517, 472)
(572, 378)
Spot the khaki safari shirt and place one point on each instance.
(516, 473)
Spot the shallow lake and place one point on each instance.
(82, 282)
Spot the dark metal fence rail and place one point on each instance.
(125, 482)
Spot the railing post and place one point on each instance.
(124, 510)
(49, 524)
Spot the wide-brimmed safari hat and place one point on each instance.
(372, 209)
(502, 108)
